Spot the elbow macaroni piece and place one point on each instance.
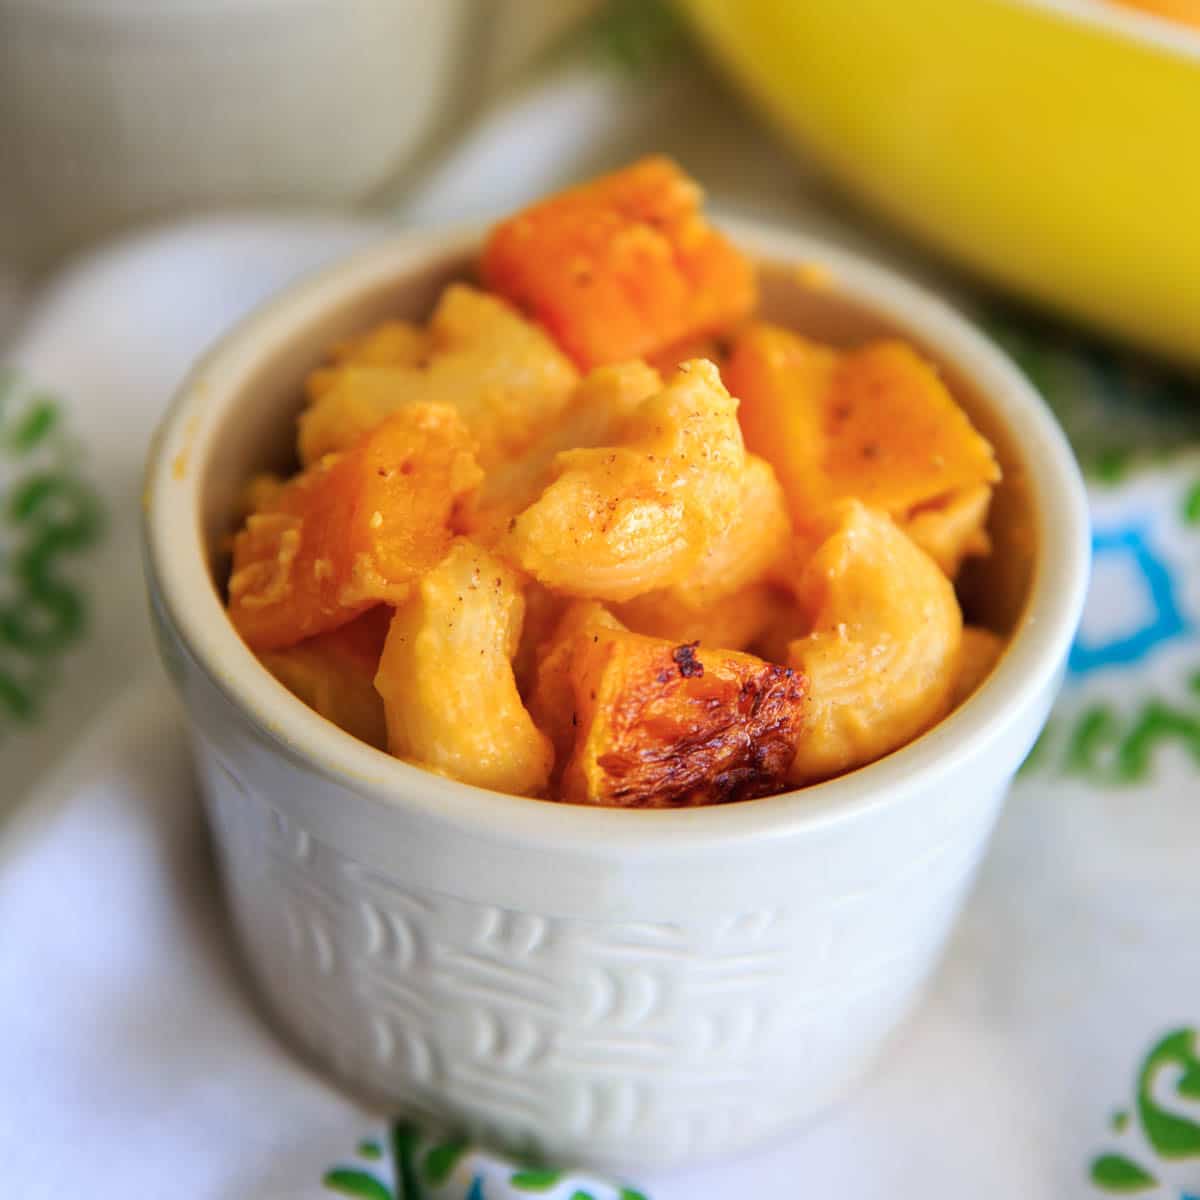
(625, 519)
(952, 528)
(446, 677)
(883, 653)
(596, 414)
(981, 650)
(503, 374)
(724, 600)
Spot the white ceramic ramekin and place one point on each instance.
(629, 989)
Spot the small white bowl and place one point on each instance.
(628, 989)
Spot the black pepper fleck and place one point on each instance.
(686, 660)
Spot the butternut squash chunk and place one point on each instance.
(660, 724)
(620, 267)
(352, 531)
(552, 701)
(895, 438)
(782, 382)
(876, 424)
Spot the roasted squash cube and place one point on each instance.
(621, 267)
(895, 438)
(875, 424)
(660, 724)
(552, 701)
(352, 531)
(782, 381)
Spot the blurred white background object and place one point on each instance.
(113, 112)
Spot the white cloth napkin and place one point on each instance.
(1054, 1057)
(135, 1062)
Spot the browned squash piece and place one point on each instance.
(895, 438)
(334, 674)
(552, 701)
(447, 682)
(620, 267)
(624, 519)
(661, 724)
(782, 381)
(503, 374)
(353, 531)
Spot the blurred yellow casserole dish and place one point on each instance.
(1051, 146)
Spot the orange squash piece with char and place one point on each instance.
(661, 724)
(552, 698)
(334, 674)
(353, 530)
(621, 267)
